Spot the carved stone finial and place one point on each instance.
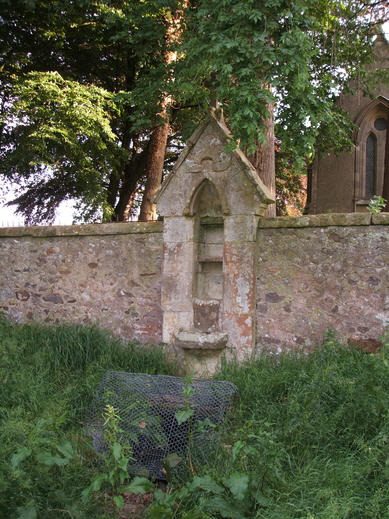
(217, 113)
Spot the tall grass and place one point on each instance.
(44, 373)
(312, 430)
(320, 426)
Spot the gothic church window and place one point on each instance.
(370, 166)
(380, 124)
(370, 152)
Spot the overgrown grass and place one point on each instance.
(311, 433)
(319, 425)
(44, 373)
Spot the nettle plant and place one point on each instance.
(35, 464)
(237, 495)
(116, 459)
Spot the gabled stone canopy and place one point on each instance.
(232, 177)
(211, 203)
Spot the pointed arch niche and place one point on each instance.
(208, 205)
(370, 152)
(207, 200)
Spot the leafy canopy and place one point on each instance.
(297, 54)
(68, 146)
(82, 82)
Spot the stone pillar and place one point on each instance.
(240, 282)
(179, 248)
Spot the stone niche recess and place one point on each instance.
(211, 203)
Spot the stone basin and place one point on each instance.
(201, 341)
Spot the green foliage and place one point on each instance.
(118, 57)
(36, 466)
(110, 65)
(296, 54)
(65, 142)
(116, 460)
(185, 414)
(47, 374)
(308, 437)
(376, 204)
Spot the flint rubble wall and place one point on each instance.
(313, 272)
(106, 274)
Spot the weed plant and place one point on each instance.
(318, 429)
(308, 437)
(49, 375)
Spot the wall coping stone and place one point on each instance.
(323, 220)
(91, 229)
(278, 222)
(380, 219)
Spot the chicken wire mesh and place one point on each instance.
(147, 405)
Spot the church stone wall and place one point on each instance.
(316, 272)
(108, 274)
(312, 272)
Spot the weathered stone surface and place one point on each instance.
(241, 228)
(179, 257)
(209, 282)
(171, 323)
(286, 221)
(206, 315)
(313, 279)
(53, 298)
(380, 219)
(235, 185)
(273, 297)
(64, 274)
(307, 280)
(367, 345)
(101, 229)
(319, 220)
(239, 278)
(178, 229)
(359, 219)
(177, 292)
(201, 341)
(240, 329)
(214, 200)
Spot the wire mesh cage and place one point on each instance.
(147, 406)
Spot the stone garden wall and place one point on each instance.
(313, 272)
(316, 272)
(108, 274)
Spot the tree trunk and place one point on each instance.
(131, 176)
(154, 168)
(113, 188)
(158, 139)
(263, 161)
(385, 189)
